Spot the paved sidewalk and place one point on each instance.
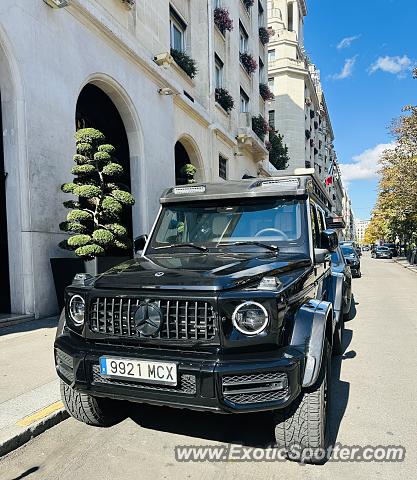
(29, 389)
(404, 263)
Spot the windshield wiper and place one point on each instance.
(273, 248)
(192, 245)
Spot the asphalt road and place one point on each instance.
(375, 388)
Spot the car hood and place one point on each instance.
(199, 271)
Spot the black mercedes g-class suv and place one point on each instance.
(229, 306)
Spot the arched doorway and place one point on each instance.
(96, 110)
(5, 305)
(186, 153)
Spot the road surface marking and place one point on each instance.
(40, 414)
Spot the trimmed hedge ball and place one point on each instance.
(89, 135)
(79, 240)
(123, 197)
(103, 237)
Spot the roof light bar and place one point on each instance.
(188, 189)
(287, 182)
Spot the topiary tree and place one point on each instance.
(95, 214)
(189, 171)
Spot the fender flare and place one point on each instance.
(336, 295)
(309, 334)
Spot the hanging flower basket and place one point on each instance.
(265, 92)
(222, 19)
(248, 62)
(265, 35)
(260, 126)
(224, 99)
(184, 61)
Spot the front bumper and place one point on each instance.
(206, 381)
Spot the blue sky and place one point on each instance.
(364, 50)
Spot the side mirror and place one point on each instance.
(322, 255)
(139, 243)
(329, 240)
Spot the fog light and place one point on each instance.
(250, 318)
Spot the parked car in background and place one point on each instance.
(381, 252)
(352, 259)
(354, 245)
(365, 248)
(341, 268)
(393, 248)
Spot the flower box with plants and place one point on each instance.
(185, 62)
(224, 99)
(265, 92)
(222, 19)
(260, 126)
(248, 62)
(265, 35)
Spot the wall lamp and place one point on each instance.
(166, 91)
(57, 3)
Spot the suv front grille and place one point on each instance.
(181, 319)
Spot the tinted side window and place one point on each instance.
(314, 225)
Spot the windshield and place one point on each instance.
(347, 251)
(221, 225)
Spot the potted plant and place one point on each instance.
(185, 62)
(224, 99)
(97, 235)
(248, 62)
(260, 126)
(222, 19)
(265, 92)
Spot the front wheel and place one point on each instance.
(98, 412)
(304, 424)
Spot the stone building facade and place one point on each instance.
(299, 110)
(108, 64)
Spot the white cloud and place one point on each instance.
(347, 69)
(365, 165)
(396, 65)
(347, 42)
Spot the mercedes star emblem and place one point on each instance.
(148, 319)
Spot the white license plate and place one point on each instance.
(139, 370)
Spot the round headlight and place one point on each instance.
(250, 318)
(77, 310)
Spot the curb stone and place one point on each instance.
(23, 436)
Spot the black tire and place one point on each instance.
(349, 315)
(304, 424)
(94, 411)
(338, 336)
